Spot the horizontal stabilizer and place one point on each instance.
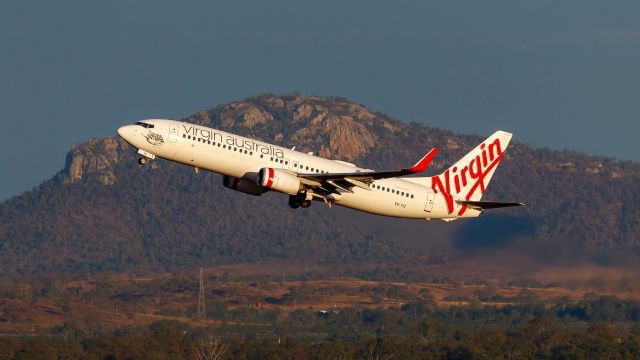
(484, 205)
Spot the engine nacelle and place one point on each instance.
(242, 185)
(279, 180)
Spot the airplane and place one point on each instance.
(255, 167)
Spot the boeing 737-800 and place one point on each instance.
(254, 167)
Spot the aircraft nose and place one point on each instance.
(125, 132)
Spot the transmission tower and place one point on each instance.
(202, 311)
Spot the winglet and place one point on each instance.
(421, 165)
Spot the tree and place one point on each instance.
(209, 348)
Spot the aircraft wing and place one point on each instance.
(345, 181)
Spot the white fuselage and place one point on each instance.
(241, 157)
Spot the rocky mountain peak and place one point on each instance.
(332, 127)
(96, 156)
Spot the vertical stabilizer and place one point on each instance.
(468, 178)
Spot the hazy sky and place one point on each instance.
(562, 74)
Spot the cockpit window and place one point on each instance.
(145, 125)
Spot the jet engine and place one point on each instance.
(279, 180)
(242, 185)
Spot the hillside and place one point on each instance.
(105, 213)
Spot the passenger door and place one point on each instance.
(173, 133)
(430, 199)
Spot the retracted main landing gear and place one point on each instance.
(302, 199)
(145, 157)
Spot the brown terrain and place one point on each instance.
(254, 286)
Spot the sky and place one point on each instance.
(558, 74)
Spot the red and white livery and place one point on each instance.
(254, 167)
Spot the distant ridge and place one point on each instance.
(105, 213)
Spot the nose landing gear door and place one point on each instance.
(173, 133)
(430, 199)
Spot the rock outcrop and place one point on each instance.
(97, 157)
